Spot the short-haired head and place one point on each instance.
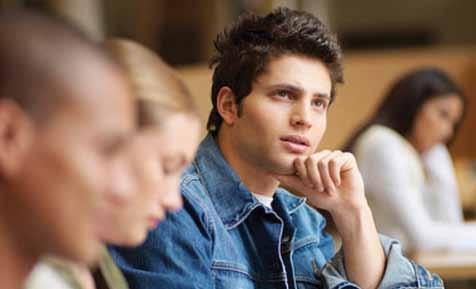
(245, 48)
(41, 57)
(66, 110)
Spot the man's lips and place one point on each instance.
(297, 139)
(295, 143)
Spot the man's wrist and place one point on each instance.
(353, 221)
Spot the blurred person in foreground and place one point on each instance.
(65, 110)
(164, 144)
(408, 173)
(273, 83)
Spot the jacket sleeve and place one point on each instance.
(177, 254)
(400, 272)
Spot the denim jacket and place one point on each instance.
(225, 238)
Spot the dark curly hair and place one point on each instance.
(245, 48)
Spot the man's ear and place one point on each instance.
(16, 136)
(226, 105)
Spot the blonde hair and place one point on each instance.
(158, 89)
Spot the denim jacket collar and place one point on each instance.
(233, 201)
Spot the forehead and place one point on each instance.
(453, 99)
(450, 101)
(307, 73)
(99, 95)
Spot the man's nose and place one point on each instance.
(301, 115)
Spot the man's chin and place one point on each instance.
(278, 164)
(284, 168)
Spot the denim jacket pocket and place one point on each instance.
(308, 259)
(304, 281)
(228, 275)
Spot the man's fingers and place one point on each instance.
(301, 171)
(321, 171)
(324, 169)
(323, 166)
(335, 162)
(346, 161)
(313, 171)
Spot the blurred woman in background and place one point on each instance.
(164, 144)
(402, 152)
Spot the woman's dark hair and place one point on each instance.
(245, 48)
(405, 99)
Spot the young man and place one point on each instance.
(273, 83)
(64, 110)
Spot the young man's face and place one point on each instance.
(285, 114)
(65, 170)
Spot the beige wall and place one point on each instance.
(367, 77)
(452, 21)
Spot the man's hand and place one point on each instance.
(330, 180)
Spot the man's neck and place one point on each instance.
(15, 263)
(256, 179)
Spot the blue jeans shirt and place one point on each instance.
(225, 238)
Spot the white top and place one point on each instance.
(44, 276)
(265, 200)
(413, 199)
(441, 186)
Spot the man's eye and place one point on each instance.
(319, 103)
(283, 94)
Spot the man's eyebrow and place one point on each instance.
(286, 86)
(322, 95)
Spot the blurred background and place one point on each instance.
(381, 40)
(182, 30)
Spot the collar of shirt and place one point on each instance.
(232, 200)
